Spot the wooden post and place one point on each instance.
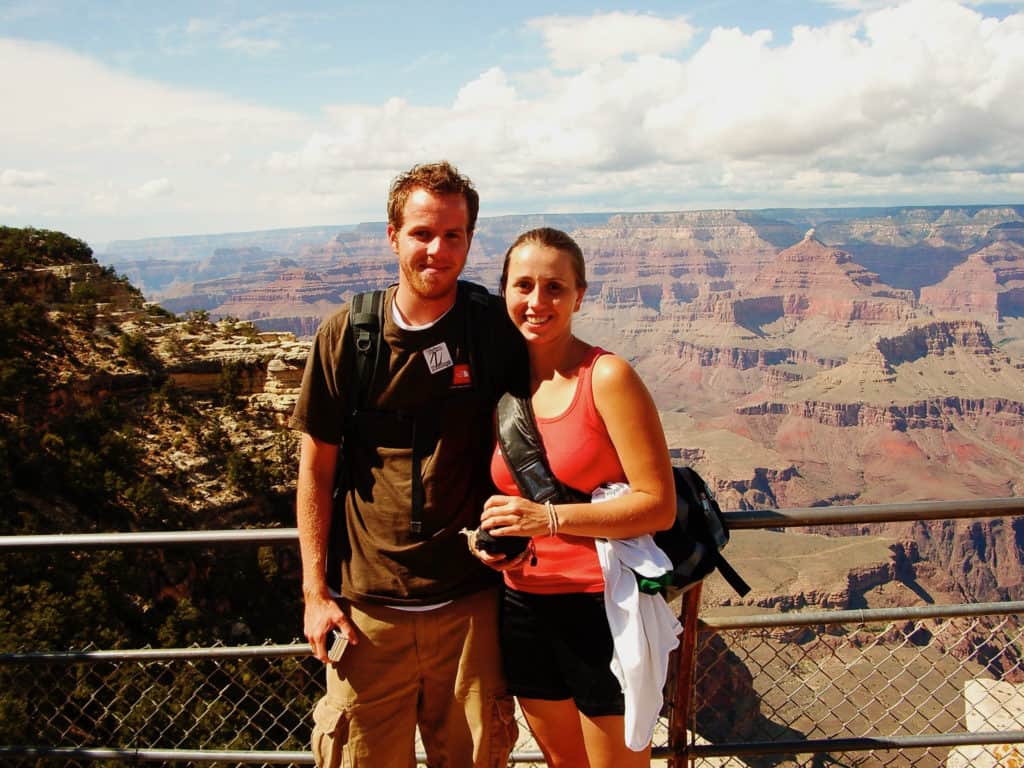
(680, 716)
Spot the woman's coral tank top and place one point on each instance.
(581, 455)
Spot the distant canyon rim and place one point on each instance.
(799, 357)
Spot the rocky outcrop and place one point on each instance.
(935, 339)
(282, 382)
(688, 234)
(671, 257)
(962, 228)
(264, 368)
(717, 304)
(761, 483)
(990, 284)
(811, 591)
(924, 414)
(983, 558)
(813, 279)
(299, 285)
(618, 297)
(301, 326)
(284, 292)
(744, 359)
(938, 349)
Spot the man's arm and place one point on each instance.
(314, 507)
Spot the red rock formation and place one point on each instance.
(984, 558)
(990, 284)
(661, 260)
(935, 339)
(923, 414)
(810, 278)
(743, 359)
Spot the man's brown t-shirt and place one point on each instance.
(423, 392)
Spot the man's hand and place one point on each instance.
(322, 614)
(313, 511)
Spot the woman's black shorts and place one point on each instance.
(558, 647)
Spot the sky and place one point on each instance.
(123, 119)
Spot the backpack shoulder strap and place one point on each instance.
(366, 320)
(480, 338)
(366, 323)
(523, 450)
(732, 578)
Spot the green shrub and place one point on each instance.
(230, 383)
(85, 292)
(133, 346)
(197, 319)
(28, 247)
(156, 311)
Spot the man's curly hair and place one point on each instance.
(441, 178)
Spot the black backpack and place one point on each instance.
(366, 324)
(693, 543)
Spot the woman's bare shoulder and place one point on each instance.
(613, 375)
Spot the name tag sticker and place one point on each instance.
(438, 358)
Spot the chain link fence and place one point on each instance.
(209, 699)
(894, 687)
(222, 700)
(885, 681)
(776, 684)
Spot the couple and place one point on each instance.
(420, 610)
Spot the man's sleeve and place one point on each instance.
(321, 408)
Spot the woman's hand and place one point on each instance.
(498, 562)
(514, 516)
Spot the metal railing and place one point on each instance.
(769, 689)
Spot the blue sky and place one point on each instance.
(129, 119)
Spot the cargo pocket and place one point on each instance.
(504, 730)
(330, 734)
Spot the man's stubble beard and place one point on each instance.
(427, 289)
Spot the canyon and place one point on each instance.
(799, 357)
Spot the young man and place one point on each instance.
(418, 610)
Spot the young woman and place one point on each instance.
(599, 425)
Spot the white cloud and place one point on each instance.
(155, 188)
(490, 90)
(874, 5)
(576, 42)
(74, 101)
(927, 85)
(13, 178)
(101, 133)
(913, 103)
